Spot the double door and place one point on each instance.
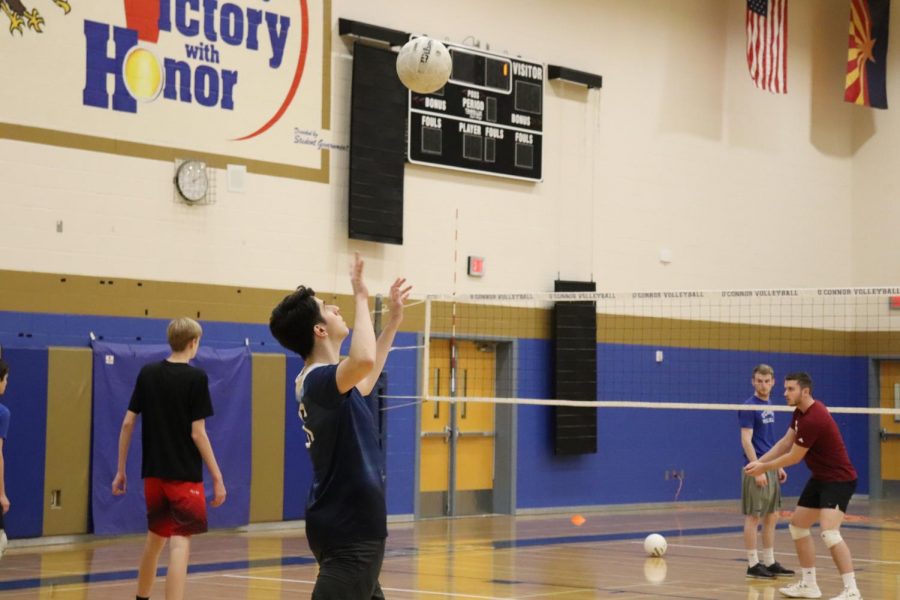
(457, 449)
(889, 429)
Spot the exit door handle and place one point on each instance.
(885, 435)
(445, 434)
(486, 434)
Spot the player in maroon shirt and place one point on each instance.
(814, 436)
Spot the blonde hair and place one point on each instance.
(181, 331)
(764, 370)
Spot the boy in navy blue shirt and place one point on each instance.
(346, 515)
(760, 495)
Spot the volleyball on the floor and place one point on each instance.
(424, 65)
(655, 545)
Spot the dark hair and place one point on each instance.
(4, 368)
(803, 379)
(292, 321)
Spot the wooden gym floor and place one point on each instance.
(486, 558)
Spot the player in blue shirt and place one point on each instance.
(4, 429)
(760, 495)
(346, 515)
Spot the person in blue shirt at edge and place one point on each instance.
(760, 495)
(4, 429)
(346, 514)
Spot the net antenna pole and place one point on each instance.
(451, 418)
(452, 432)
(426, 351)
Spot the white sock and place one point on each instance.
(809, 575)
(768, 556)
(752, 557)
(849, 580)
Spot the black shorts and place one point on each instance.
(827, 494)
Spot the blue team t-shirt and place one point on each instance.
(346, 501)
(762, 422)
(4, 421)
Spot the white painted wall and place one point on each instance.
(678, 151)
(876, 181)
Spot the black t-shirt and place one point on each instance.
(346, 501)
(170, 397)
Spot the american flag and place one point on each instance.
(767, 44)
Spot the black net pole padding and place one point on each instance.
(575, 370)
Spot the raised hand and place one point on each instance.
(398, 297)
(356, 277)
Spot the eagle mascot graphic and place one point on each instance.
(20, 17)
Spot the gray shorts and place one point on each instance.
(757, 500)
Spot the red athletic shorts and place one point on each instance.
(175, 507)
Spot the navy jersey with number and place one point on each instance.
(346, 501)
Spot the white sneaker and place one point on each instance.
(801, 589)
(848, 594)
(3, 542)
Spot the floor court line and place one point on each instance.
(386, 589)
(580, 590)
(742, 551)
(74, 587)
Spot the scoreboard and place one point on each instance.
(487, 119)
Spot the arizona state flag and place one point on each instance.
(867, 55)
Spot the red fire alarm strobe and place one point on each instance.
(895, 302)
(476, 266)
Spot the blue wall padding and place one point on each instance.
(35, 330)
(636, 447)
(24, 450)
(402, 425)
(116, 367)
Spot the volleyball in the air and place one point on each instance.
(424, 65)
(655, 545)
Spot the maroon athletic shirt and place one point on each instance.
(827, 456)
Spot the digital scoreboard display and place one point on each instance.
(487, 119)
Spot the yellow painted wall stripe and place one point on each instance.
(66, 467)
(267, 445)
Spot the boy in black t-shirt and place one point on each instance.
(173, 400)
(346, 516)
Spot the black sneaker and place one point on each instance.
(778, 571)
(759, 571)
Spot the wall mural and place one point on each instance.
(231, 82)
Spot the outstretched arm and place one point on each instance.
(119, 484)
(795, 455)
(398, 295)
(361, 357)
(782, 446)
(783, 454)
